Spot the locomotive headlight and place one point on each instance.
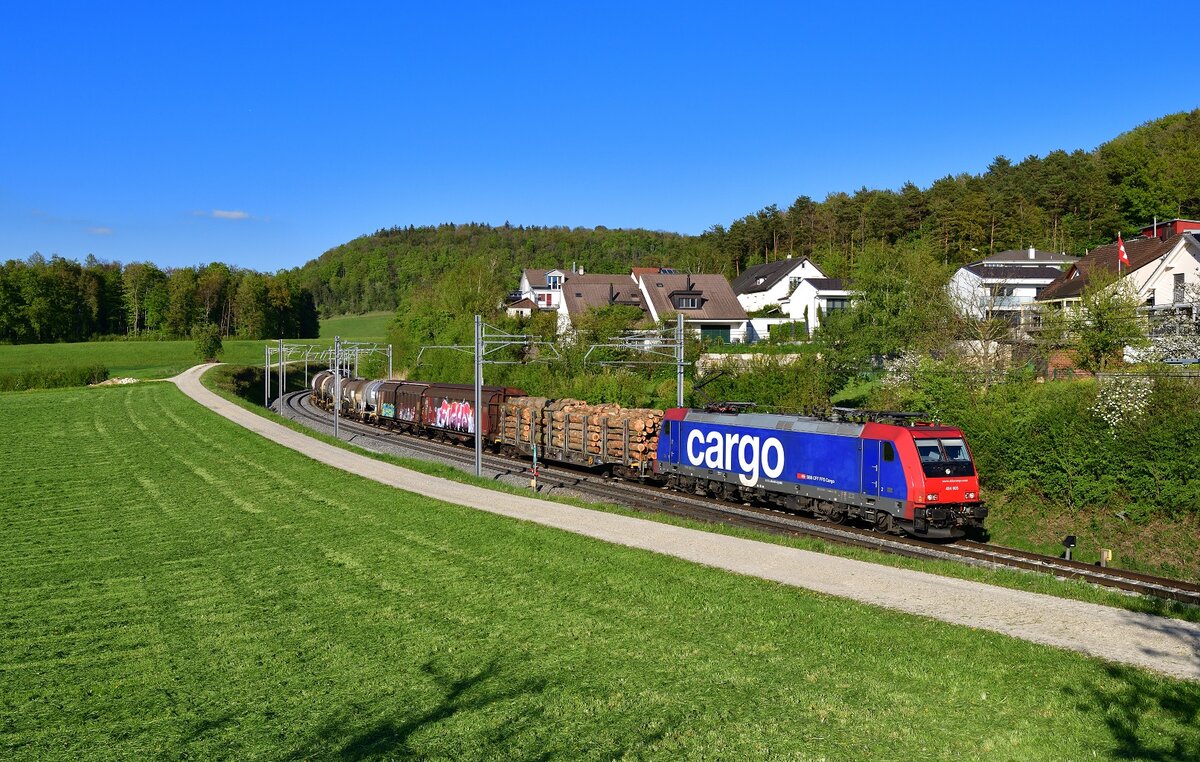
(970, 495)
(932, 497)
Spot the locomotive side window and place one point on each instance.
(889, 452)
(667, 428)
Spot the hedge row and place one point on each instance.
(1053, 440)
(53, 378)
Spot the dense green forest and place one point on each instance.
(61, 300)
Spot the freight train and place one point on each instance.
(894, 474)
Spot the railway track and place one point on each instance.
(640, 497)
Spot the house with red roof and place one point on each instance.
(1164, 269)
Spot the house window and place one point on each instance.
(836, 303)
(1179, 295)
(687, 302)
(792, 283)
(554, 282)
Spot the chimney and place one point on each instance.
(689, 282)
(612, 294)
(1031, 252)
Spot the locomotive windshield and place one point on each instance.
(945, 457)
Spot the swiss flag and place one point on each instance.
(1121, 255)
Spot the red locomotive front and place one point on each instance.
(944, 486)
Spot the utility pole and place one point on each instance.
(337, 382)
(266, 375)
(478, 395)
(282, 378)
(679, 360)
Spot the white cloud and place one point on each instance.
(224, 214)
(100, 230)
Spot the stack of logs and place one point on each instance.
(610, 433)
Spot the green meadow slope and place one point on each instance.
(163, 359)
(175, 586)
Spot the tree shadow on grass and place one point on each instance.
(1148, 717)
(348, 737)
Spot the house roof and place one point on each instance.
(583, 292)
(523, 304)
(1014, 272)
(763, 277)
(537, 278)
(717, 301)
(1141, 252)
(639, 271)
(1021, 256)
(827, 284)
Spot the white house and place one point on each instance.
(543, 287)
(581, 293)
(707, 303)
(816, 297)
(1004, 285)
(772, 283)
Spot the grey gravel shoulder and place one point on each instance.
(1164, 645)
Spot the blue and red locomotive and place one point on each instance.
(916, 478)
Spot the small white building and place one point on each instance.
(1004, 285)
(543, 287)
(816, 297)
(772, 283)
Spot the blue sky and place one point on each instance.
(262, 135)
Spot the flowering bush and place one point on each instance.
(1121, 399)
(901, 371)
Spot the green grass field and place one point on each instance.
(175, 586)
(134, 359)
(163, 359)
(366, 327)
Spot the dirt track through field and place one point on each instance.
(1164, 645)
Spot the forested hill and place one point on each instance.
(376, 272)
(1060, 202)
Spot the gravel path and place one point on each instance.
(1164, 645)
